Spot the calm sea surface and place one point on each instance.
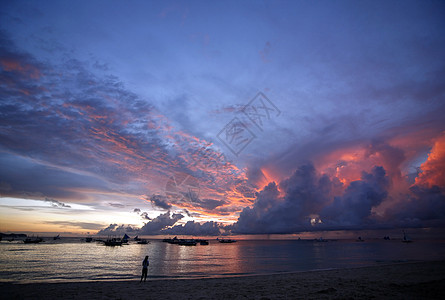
(73, 260)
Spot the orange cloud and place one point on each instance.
(268, 176)
(433, 169)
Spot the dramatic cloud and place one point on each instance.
(424, 207)
(115, 229)
(196, 229)
(305, 193)
(433, 170)
(160, 201)
(145, 216)
(311, 200)
(308, 201)
(164, 224)
(206, 204)
(161, 222)
(353, 210)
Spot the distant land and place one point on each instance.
(13, 235)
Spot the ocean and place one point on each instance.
(71, 259)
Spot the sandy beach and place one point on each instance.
(420, 280)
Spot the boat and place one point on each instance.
(322, 240)
(142, 242)
(57, 237)
(137, 238)
(125, 239)
(406, 239)
(226, 241)
(32, 240)
(174, 240)
(203, 242)
(113, 242)
(88, 239)
(359, 239)
(187, 242)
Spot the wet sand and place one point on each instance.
(420, 280)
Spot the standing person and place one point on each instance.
(145, 264)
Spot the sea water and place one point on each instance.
(76, 260)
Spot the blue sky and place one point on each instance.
(105, 103)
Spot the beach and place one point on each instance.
(416, 280)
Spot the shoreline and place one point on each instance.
(219, 276)
(405, 280)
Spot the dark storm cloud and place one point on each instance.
(196, 229)
(310, 204)
(206, 204)
(211, 204)
(56, 203)
(305, 194)
(353, 209)
(164, 224)
(392, 157)
(144, 216)
(160, 201)
(115, 229)
(161, 222)
(424, 207)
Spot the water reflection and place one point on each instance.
(90, 261)
(192, 261)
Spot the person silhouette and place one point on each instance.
(145, 264)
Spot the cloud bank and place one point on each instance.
(310, 200)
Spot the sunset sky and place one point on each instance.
(221, 117)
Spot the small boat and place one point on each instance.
(226, 241)
(406, 239)
(203, 242)
(187, 242)
(174, 240)
(113, 242)
(137, 238)
(359, 239)
(88, 239)
(33, 240)
(386, 238)
(322, 240)
(143, 242)
(57, 237)
(125, 239)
